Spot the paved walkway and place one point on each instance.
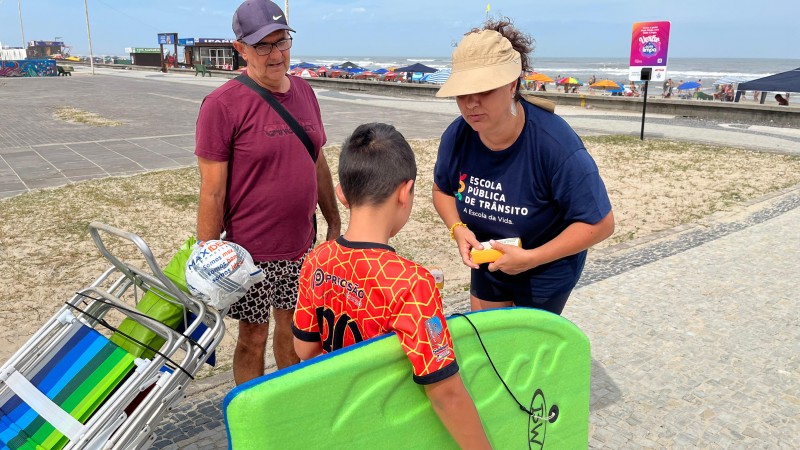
(158, 111)
(695, 332)
(695, 339)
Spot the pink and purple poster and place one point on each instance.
(649, 46)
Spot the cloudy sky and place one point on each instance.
(574, 28)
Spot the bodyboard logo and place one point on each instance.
(537, 421)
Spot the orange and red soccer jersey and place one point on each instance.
(353, 291)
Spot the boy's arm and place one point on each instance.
(458, 414)
(422, 329)
(307, 350)
(307, 342)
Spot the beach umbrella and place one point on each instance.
(304, 65)
(570, 80)
(605, 84)
(619, 88)
(421, 68)
(689, 85)
(438, 77)
(365, 74)
(380, 71)
(540, 77)
(389, 76)
(307, 73)
(322, 69)
(349, 65)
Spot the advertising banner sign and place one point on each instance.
(649, 46)
(214, 41)
(144, 50)
(167, 38)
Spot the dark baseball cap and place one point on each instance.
(255, 19)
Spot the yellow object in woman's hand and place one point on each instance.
(488, 254)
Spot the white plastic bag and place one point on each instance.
(220, 272)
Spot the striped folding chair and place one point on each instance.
(71, 387)
(49, 403)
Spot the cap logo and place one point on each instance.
(276, 17)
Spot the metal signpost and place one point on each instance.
(168, 39)
(89, 34)
(21, 29)
(649, 46)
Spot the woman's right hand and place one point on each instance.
(466, 241)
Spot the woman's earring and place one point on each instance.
(514, 108)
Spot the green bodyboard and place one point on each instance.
(363, 396)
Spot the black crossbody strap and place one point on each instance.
(285, 115)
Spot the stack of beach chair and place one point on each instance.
(71, 386)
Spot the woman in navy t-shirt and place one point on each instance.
(508, 168)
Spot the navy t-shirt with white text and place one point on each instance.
(534, 189)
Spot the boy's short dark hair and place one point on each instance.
(375, 160)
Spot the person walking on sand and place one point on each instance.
(509, 169)
(260, 184)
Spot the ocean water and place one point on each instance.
(709, 70)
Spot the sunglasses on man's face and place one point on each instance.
(265, 48)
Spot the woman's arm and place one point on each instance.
(465, 239)
(576, 238)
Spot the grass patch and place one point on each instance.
(75, 115)
(654, 185)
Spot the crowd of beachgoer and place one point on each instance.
(725, 92)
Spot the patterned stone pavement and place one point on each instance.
(694, 330)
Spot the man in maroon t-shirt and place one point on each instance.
(260, 185)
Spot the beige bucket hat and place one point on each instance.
(483, 61)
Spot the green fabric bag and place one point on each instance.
(158, 305)
(176, 268)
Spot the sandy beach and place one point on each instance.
(654, 185)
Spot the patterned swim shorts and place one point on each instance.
(278, 290)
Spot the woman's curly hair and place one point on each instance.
(521, 42)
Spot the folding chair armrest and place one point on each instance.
(98, 308)
(94, 231)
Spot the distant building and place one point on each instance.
(44, 49)
(11, 53)
(143, 56)
(213, 53)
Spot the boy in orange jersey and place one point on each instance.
(360, 288)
